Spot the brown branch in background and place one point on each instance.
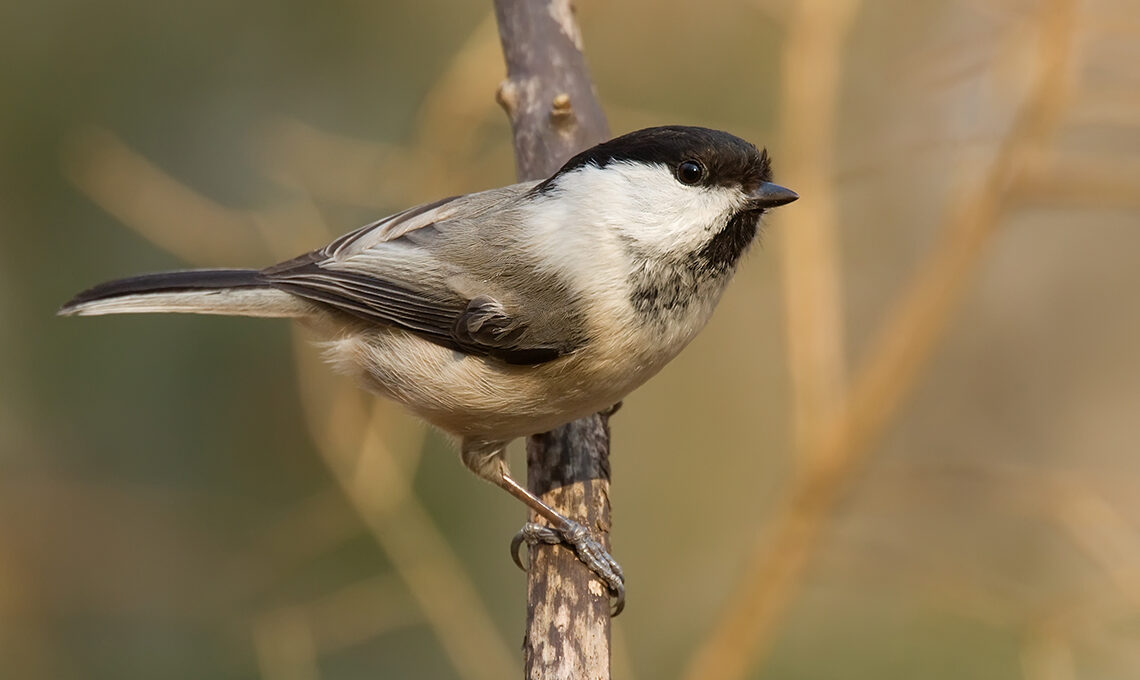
(813, 305)
(554, 113)
(377, 482)
(331, 623)
(905, 343)
(159, 207)
(1079, 181)
(175, 217)
(1103, 534)
(443, 156)
(453, 112)
(284, 644)
(335, 167)
(1047, 651)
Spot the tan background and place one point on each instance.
(195, 497)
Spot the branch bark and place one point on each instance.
(547, 94)
(554, 113)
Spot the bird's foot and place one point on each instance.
(588, 549)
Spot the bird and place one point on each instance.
(508, 312)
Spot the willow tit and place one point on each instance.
(509, 312)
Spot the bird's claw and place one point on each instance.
(588, 549)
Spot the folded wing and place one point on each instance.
(387, 273)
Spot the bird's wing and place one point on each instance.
(387, 272)
(394, 227)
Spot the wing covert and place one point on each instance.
(378, 274)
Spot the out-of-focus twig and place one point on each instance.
(1046, 653)
(378, 484)
(443, 155)
(1104, 535)
(1083, 181)
(297, 636)
(174, 217)
(157, 206)
(311, 528)
(904, 344)
(457, 105)
(360, 612)
(284, 646)
(1109, 105)
(347, 170)
(813, 307)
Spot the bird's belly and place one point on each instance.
(476, 397)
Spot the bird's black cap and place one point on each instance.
(727, 160)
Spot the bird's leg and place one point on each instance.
(486, 459)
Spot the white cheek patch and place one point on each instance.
(585, 227)
(647, 205)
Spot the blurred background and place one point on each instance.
(908, 444)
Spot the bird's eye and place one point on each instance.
(690, 172)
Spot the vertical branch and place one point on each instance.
(811, 74)
(547, 94)
(568, 608)
(554, 113)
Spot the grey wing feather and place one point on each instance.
(369, 273)
(371, 298)
(486, 323)
(390, 228)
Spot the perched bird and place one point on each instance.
(509, 312)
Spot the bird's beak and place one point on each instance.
(769, 195)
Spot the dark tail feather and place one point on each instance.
(201, 291)
(198, 279)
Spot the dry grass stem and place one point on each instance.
(460, 103)
(284, 645)
(360, 612)
(443, 156)
(311, 528)
(1082, 181)
(813, 307)
(333, 167)
(378, 484)
(1047, 653)
(1106, 536)
(158, 207)
(903, 346)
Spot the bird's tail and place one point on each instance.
(240, 292)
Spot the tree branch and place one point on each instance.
(555, 113)
(548, 94)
